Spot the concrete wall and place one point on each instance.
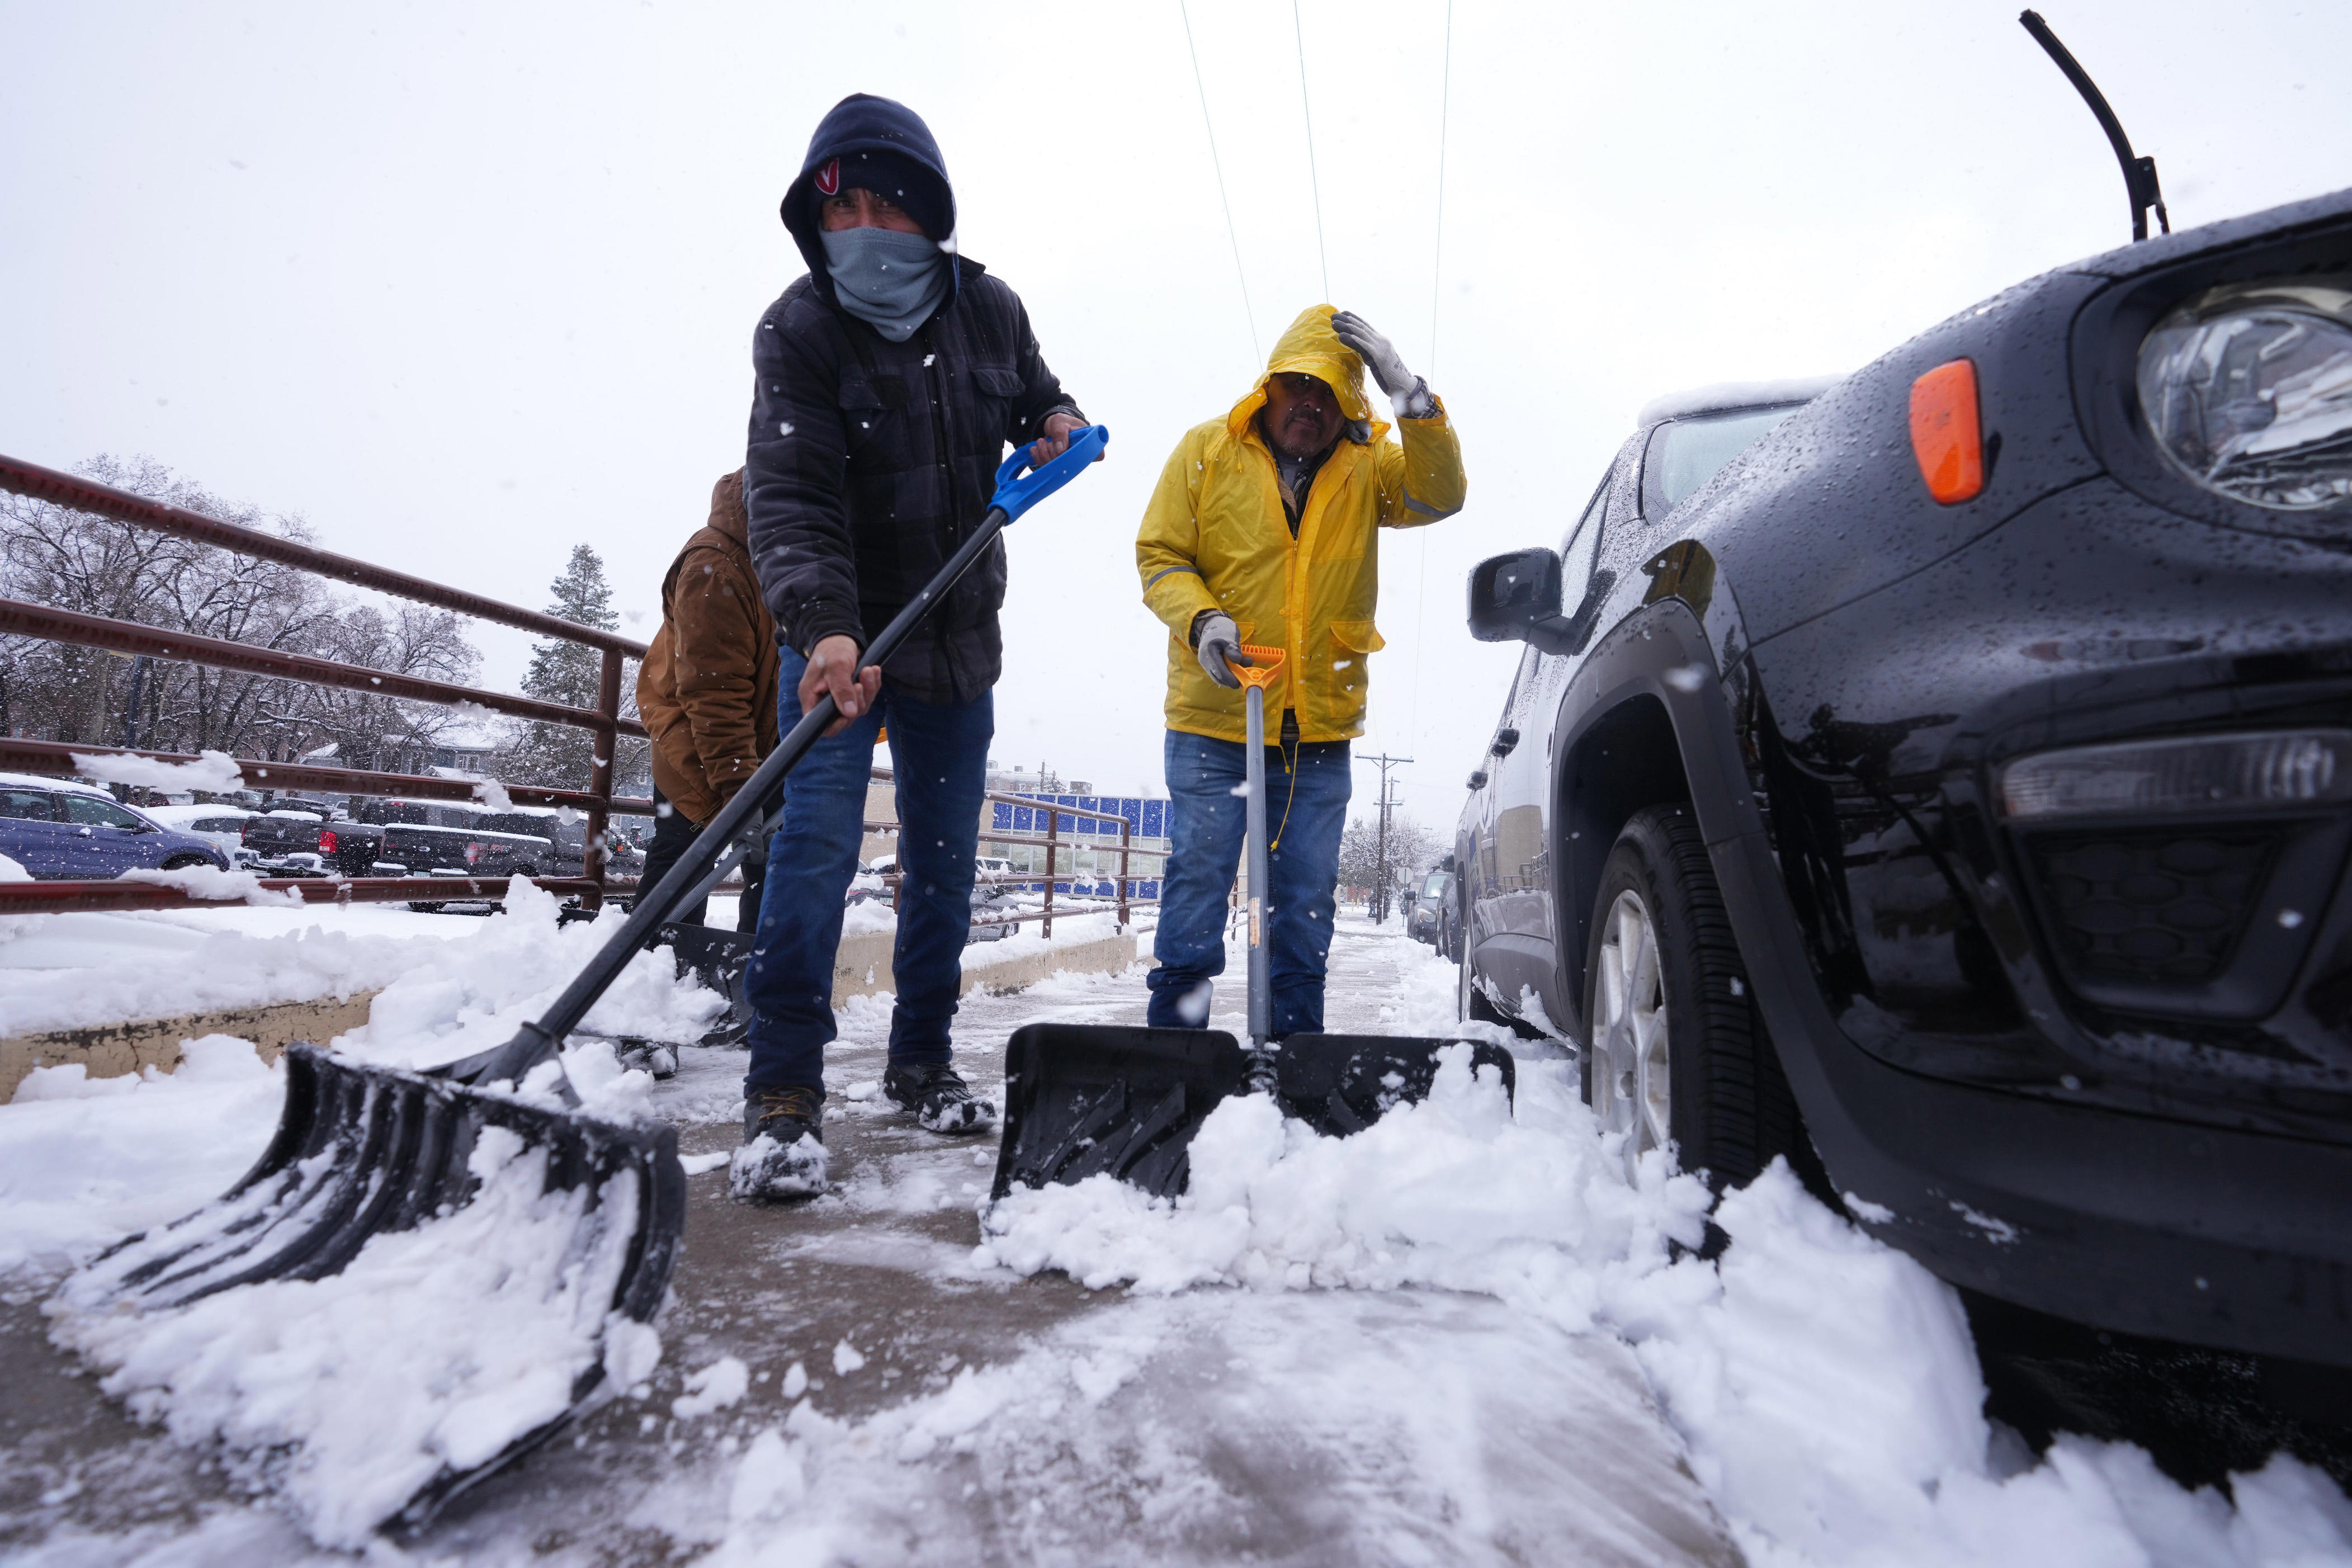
(111, 1050)
(862, 967)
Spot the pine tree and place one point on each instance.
(560, 755)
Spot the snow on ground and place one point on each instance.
(72, 970)
(85, 1162)
(349, 1392)
(1460, 1337)
(1826, 1384)
(433, 1350)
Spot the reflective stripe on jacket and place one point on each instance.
(1214, 537)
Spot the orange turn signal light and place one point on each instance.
(1945, 436)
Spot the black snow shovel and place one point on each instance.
(1082, 1099)
(364, 1150)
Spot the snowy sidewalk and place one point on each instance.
(1085, 1426)
(1457, 1338)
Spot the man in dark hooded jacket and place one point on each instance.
(888, 383)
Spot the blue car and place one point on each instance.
(60, 831)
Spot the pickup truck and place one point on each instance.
(405, 838)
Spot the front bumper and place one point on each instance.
(2196, 1232)
(2182, 1232)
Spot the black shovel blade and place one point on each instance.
(712, 956)
(1339, 1084)
(1081, 1100)
(717, 959)
(363, 1150)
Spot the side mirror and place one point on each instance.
(1516, 598)
(1511, 593)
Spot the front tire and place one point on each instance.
(1676, 1056)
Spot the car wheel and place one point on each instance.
(1677, 1057)
(184, 862)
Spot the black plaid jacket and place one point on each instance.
(869, 461)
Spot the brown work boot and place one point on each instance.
(783, 1153)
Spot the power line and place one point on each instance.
(1218, 164)
(1298, 31)
(1436, 275)
(1444, 110)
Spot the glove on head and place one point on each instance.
(1407, 395)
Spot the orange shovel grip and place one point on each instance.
(1265, 665)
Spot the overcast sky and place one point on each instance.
(464, 284)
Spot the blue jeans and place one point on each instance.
(939, 753)
(1209, 825)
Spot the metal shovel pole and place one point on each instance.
(1261, 981)
(1257, 668)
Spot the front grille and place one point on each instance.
(2164, 907)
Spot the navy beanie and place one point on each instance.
(882, 145)
(923, 193)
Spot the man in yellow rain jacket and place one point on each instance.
(1261, 532)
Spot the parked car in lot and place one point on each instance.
(1949, 775)
(221, 825)
(58, 830)
(1431, 918)
(406, 838)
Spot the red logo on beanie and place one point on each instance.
(828, 179)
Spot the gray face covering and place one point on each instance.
(889, 280)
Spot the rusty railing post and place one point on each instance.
(600, 779)
(1126, 834)
(1053, 864)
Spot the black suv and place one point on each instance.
(1947, 776)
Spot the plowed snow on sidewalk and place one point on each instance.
(1462, 1336)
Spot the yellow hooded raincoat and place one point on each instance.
(1215, 538)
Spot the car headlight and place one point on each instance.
(2248, 390)
(2197, 774)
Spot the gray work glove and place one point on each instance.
(752, 839)
(1218, 641)
(1408, 395)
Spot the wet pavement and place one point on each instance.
(1303, 1428)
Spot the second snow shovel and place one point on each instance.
(1084, 1100)
(365, 1149)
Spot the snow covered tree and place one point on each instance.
(1411, 849)
(560, 755)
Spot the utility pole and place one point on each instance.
(1381, 880)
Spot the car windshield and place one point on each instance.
(1687, 453)
(1434, 886)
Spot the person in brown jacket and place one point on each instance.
(707, 690)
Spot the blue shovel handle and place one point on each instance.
(1016, 493)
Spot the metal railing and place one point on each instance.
(596, 802)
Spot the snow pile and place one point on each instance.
(214, 773)
(212, 882)
(348, 1394)
(475, 994)
(85, 1162)
(435, 1348)
(1453, 1192)
(1825, 1384)
(15, 925)
(76, 971)
(1829, 1391)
